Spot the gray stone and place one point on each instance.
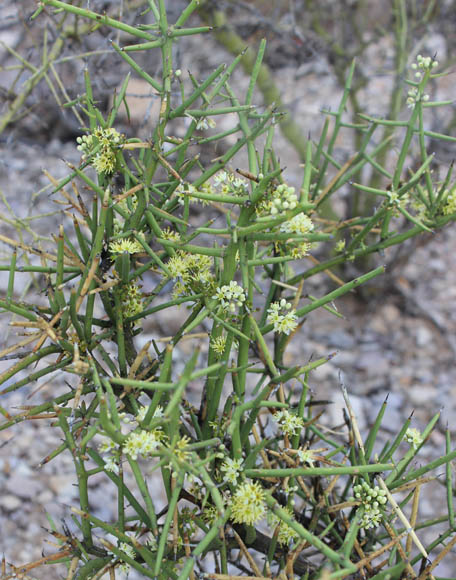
(423, 336)
(373, 362)
(10, 502)
(25, 487)
(421, 395)
(341, 339)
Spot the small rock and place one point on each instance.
(386, 319)
(341, 339)
(25, 487)
(423, 336)
(63, 486)
(373, 362)
(10, 502)
(45, 497)
(335, 414)
(421, 395)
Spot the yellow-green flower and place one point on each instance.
(130, 296)
(306, 456)
(247, 504)
(142, 442)
(181, 448)
(373, 500)
(290, 424)
(413, 437)
(170, 234)
(299, 224)
(232, 469)
(340, 246)
(104, 162)
(210, 514)
(301, 250)
(118, 247)
(218, 344)
(284, 198)
(282, 316)
(286, 533)
(450, 204)
(102, 144)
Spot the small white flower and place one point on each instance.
(112, 464)
(282, 316)
(306, 456)
(413, 437)
(204, 123)
(286, 534)
(221, 178)
(230, 296)
(129, 551)
(141, 414)
(290, 424)
(106, 445)
(142, 443)
(299, 224)
(232, 469)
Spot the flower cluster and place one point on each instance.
(395, 202)
(107, 446)
(414, 96)
(247, 504)
(130, 295)
(413, 437)
(372, 499)
(228, 184)
(306, 456)
(142, 443)
(286, 534)
(422, 64)
(180, 449)
(299, 224)
(282, 316)
(220, 426)
(169, 234)
(339, 247)
(275, 204)
(126, 206)
(232, 469)
(192, 272)
(128, 551)
(210, 514)
(101, 144)
(129, 245)
(289, 424)
(450, 202)
(231, 296)
(187, 190)
(224, 182)
(283, 199)
(218, 344)
(136, 440)
(205, 123)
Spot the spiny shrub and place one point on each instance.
(230, 437)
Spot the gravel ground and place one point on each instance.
(396, 338)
